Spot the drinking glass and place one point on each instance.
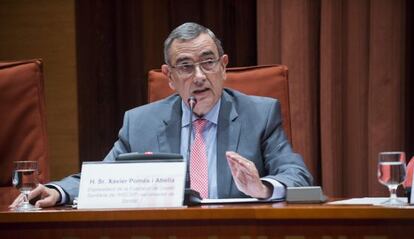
(25, 179)
(391, 173)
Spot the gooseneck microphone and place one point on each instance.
(191, 197)
(192, 101)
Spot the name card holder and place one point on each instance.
(132, 184)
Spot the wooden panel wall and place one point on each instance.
(45, 29)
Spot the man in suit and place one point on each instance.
(246, 151)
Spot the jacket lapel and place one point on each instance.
(228, 132)
(169, 136)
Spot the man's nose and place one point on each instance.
(199, 75)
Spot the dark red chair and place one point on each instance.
(270, 81)
(409, 178)
(22, 122)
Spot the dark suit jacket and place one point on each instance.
(248, 125)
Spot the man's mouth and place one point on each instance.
(200, 91)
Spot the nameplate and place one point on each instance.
(131, 184)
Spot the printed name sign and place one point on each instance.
(131, 184)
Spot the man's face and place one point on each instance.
(203, 81)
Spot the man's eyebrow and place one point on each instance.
(184, 58)
(207, 53)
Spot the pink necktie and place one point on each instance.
(198, 163)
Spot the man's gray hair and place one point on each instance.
(189, 31)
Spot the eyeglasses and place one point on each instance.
(188, 69)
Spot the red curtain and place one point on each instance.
(347, 72)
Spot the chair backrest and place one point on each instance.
(22, 120)
(270, 81)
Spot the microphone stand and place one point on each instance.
(191, 197)
(191, 102)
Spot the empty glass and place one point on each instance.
(25, 179)
(391, 173)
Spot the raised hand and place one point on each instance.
(246, 176)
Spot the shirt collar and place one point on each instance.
(211, 116)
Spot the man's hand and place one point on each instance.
(246, 176)
(48, 197)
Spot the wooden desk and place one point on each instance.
(242, 221)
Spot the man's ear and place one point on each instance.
(166, 71)
(225, 61)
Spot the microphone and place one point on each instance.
(191, 197)
(192, 101)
